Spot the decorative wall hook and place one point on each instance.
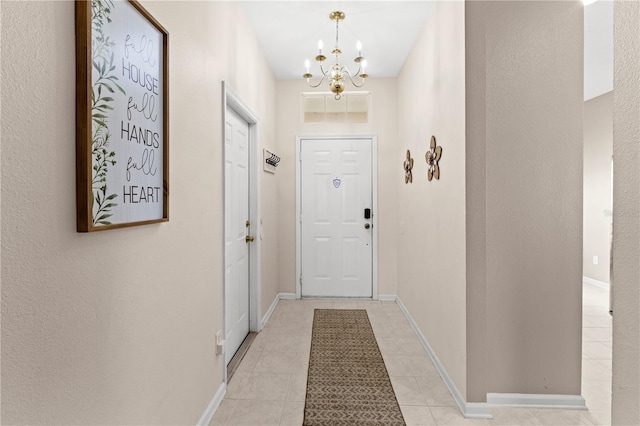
(433, 157)
(270, 161)
(273, 160)
(408, 165)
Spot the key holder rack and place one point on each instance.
(270, 161)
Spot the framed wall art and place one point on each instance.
(122, 120)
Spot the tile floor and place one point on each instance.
(596, 353)
(269, 386)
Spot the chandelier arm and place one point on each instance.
(324, 73)
(346, 71)
(357, 73)
(319, 83)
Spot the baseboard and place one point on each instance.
(525, 400)
(267, 314)
(601, 284)
(475, 410)
(279, 296)
(207, 416)
(470, 410)
(287, 296)
(387, 297)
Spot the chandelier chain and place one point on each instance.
(337, 49)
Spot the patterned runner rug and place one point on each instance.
(348, 383)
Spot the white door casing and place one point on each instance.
(236, 217)
(336, 240)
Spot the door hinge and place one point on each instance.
(300, 218)
(300, 281)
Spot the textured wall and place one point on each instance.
(524, 116)
(626, 215)
(476, 200)
(598, 150)
(116, 327)
(431, 233)
(382, 123)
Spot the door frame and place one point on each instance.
(232, 101)
(374, 189)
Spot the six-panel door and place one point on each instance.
(336, 188)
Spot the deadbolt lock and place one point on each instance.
(249, 239)
(367, 226)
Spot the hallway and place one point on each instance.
(128, 326)
(268, 388)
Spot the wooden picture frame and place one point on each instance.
(122, 116)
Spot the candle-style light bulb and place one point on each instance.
(320, 44)
(364, 65)
(359, 48)
(306, 64)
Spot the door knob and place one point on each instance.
(249, 239)
(367, 226)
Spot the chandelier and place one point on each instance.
(337, 73)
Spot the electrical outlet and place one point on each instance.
(595, 260)
(219, 343)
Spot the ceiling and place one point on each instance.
(598, 49)
(289, 31)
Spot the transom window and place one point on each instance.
(352, 107)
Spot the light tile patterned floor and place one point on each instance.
(269, 386)
(596, 353)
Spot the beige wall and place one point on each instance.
(383, 124)
(117, 327)
(476, 201)
(524, 116)
(598, 149)
(431, 245)
(626, 215)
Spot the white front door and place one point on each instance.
(336, 198)
(236, 216)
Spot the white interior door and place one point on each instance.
(336, 244)
(236, 208)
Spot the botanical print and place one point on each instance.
(121, 141)
(103, 86)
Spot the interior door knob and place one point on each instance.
(249, 239)
(367, 226)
